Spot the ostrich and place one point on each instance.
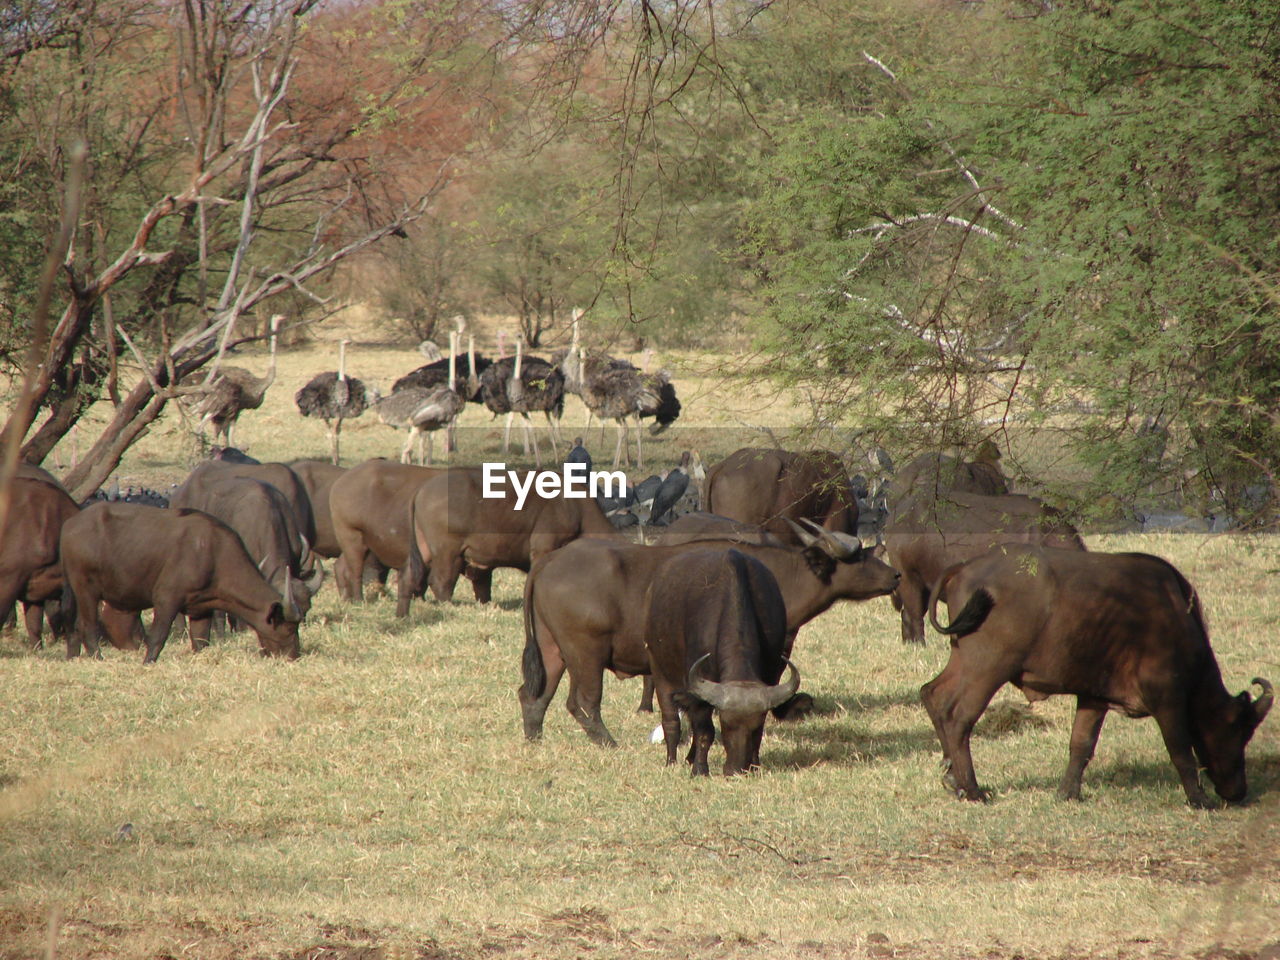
(617, 390)
(424, 410)
(233, 391)
(334, 397)
(522, 385)
(614, 389)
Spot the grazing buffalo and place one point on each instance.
(264, 520)
(584, 610)
(768, 487)
(716, 629)
(369, 505)
(455, 528)
(175, 561)
(933, 474)
(1120, 631)
(928, 535)
(276, 474)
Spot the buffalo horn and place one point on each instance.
(290, 604)
(313, 581)
(840, 546)
(743, 697)
(1262, 705)
(805, 536)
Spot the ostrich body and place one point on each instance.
(424, 410)
(617, 390)
(522, 385)
(334, 397)
(233, 391)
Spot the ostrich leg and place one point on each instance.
(334, 431)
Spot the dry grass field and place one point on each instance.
(376, 799)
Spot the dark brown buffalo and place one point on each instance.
(456, 529)
(263, 518)
(933, 474)
(369, 505)
(175, 561)
(279, 476)
(768, 487)
(584, 610)
(1118, 631)
(716, 629)
(927, 535)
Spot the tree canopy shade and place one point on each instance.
(1070, 216)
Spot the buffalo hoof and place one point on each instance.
(1202, 801)
(1071, 793)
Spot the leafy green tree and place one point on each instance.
(1066, 219)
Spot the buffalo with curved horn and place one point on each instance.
(716, 630)
(1119, 631)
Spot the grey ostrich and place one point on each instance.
(523, 385)
(334, 397)
(233, 391)
(421, 410)
(617, 390)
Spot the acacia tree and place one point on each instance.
(1081, 233)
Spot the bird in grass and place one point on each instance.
(334, 397)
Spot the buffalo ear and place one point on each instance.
(275, 616)
(820, 562)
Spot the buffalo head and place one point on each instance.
(1220, 745)
(742, 705)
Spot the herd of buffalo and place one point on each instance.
(708, 613)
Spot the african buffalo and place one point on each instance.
(456, 528)
(584, 610)
(927, 535)
(264, 520)
(1120, 631)
(369, 505)
(175, 561)
(767, 487)
(716, 628)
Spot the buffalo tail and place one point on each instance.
(970, 618)
(415, 567)
(531, 665)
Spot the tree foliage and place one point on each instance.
(1068, 219)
